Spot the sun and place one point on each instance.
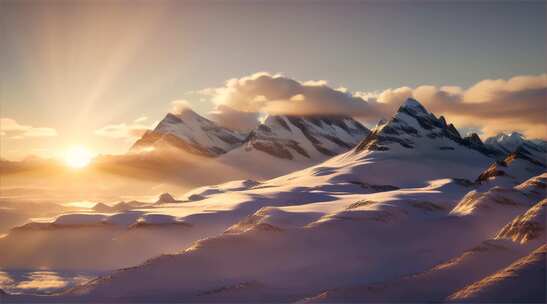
(78, 157)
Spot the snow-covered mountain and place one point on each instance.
(284, 137)
(190, 132)
(279, 145)
(360, 223)
(289, 137)
(408, 150)
(508, 143)
(412, 124)
(519, 165)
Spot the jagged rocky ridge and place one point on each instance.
(402, 129)
(190, 132)
(509, 143)
(281, 136)
(287, 136)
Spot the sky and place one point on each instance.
(82, 72)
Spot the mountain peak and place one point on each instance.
(184, 111)
(414, 126)
(413, 104)
(187, 130)
(507, 143)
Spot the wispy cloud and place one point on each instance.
(11, 128)
(131, 130)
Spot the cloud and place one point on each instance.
(40, 132)
(277, 94)
(177, 106)
(491, 106)
(141, 119)
(8, 124)
(234, 119)
(126, 131)
(10, 127)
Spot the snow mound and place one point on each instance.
(432, 285)
(521, 196)
(79, 219)
(523, 281)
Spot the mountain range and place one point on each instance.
(282, 136)
(410, 211)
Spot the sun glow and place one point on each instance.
(78, 157)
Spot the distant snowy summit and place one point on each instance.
(508, 143)
(280, 136)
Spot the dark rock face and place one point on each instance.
(166, 198)
(500, 167)
(279, 148)
(280, 136)
(492, 171)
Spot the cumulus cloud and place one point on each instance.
(234, 119)
(128, 131)
(277, 94)
(491, 106)
(10, 127)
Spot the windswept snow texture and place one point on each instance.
(434, 284)
(400, 213)
(522, 282)
(527, 227)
